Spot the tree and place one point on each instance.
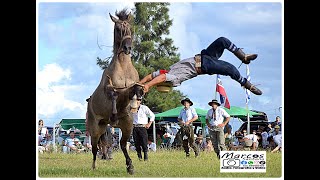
(153, 50)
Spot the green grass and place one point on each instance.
(163, 163)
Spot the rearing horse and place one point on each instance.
(110, 102)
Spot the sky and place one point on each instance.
(67, 50)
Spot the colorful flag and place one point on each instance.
(223, 95)
(248, 91)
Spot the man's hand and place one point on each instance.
(221, 125)
(148, 125)
(145, 88)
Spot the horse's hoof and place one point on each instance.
(130, 170)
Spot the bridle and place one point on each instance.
(126, 34)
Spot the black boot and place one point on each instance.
(139, 156)
(196, 153)
(245, 58)
(145, 156)
(252, 88)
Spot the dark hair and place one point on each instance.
(150, 138)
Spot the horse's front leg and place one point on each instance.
(114, 118)
(94, 143)
(123, 143)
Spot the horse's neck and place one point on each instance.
(124, 61)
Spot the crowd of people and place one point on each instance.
(219, 138)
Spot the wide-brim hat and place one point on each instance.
(188, 100)
(214, 101)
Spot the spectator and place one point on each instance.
(227, 134)
(48, 144)
(151, 145)
(73, 144)
(187, 115)
(105, 143)
(278, 143)
(235, 144)
(276, 130)
(140, 126)
(244, 132)
(264, 136)
(208, 145)
(159, 140)
(251, 141)
(216, 119)
(87, 142)
(42, 132)
(277, 121)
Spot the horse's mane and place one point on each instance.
(122, 15)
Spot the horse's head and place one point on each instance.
(135, 93)
(122, 32)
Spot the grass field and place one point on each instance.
(163, 163)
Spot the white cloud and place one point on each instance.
(53, 96)
(188, 42)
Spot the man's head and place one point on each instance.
(71, 134)
(278, 119)
(139, 99)
(186, 102)
(259, 136)
(276, 127)
(214, 103)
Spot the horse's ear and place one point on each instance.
(113, 18)
(129, 17)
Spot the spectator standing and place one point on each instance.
(187, 115)
(216, 119)
(140, 126)
(42, 132)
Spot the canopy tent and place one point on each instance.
(234, 111)
(174, 113)
(80, 124)
(239, 112)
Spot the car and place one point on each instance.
(255, 122)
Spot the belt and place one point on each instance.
(197, 58)
(139, 125)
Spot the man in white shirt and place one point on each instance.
(140, 126)
(187, 115)
(278, 141)
(216, 119)
(251, 141)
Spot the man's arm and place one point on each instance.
(151, 116)
(180, 121)
(146, 79)
(254, 146)
(191, 120)
(159, 79)
(208, 124)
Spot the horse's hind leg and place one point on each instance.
(123, 143)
